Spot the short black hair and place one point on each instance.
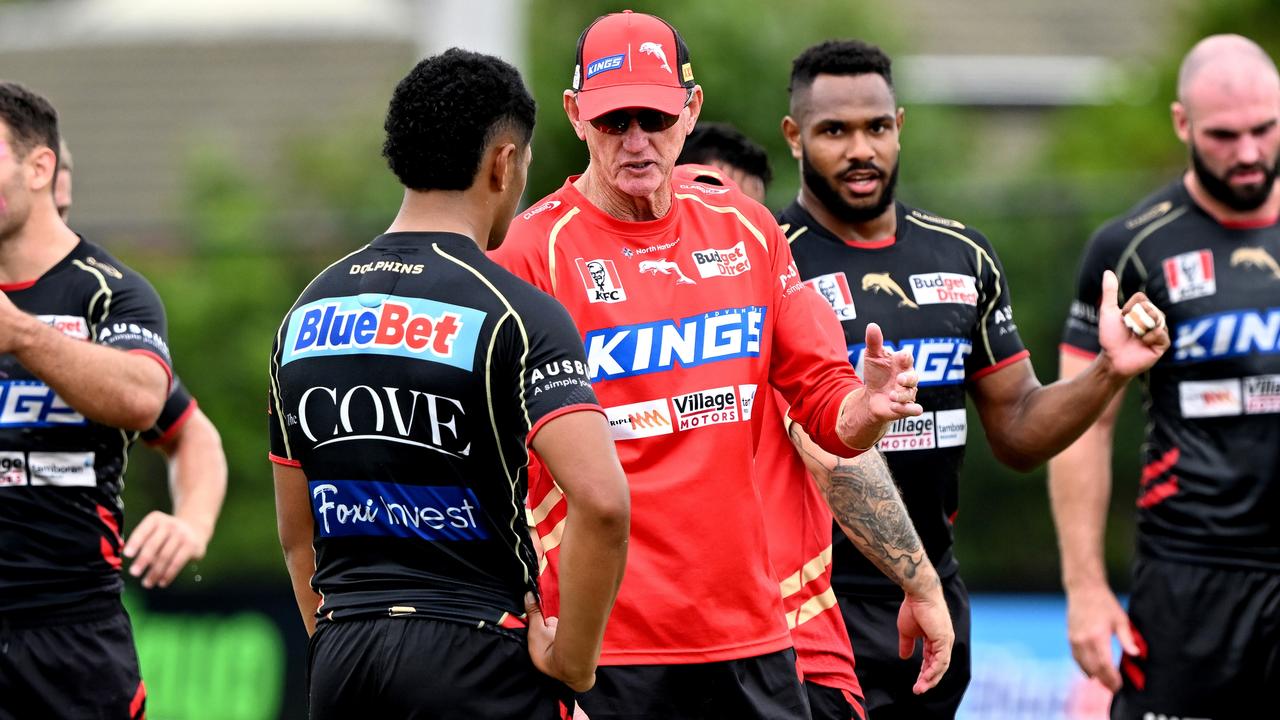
(839, 57)
(444, 114)
(31, 119)
(713, 141)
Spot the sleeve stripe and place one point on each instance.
(1069, 349)
(168, 371)
(520, 533)
(1000, 365)
(1131, 252)
(287, 462)
(175, 426)
(551, 244)
(578, 407)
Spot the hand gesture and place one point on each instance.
(889, 379)
(927, 619)
(1094, 616)
(542, 646)
(161, 546)
(1133, 337)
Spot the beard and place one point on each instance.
(824, 189)
(1242, 198)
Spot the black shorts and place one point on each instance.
(1209, 642)
(872, 622)
(413, 667)
(828, 703)
(765, 687)
(79, 663)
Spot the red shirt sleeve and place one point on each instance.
(524, 254)
(809, 363)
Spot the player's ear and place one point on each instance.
(40, 165)
(695, 108)
(1181, 123)
(505, 166)
(571, 109)
(791, 131)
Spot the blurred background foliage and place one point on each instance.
(1037, 181)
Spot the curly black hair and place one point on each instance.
(838, 57)
(31, 119)
(444, 114)
(721, 141)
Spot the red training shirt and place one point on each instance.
(683, 319)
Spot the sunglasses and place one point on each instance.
(618, 121)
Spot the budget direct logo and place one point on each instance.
(722, 263)
(942, 287)
(72, 326)
(384, 325)
(706, 407)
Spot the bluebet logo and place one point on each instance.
(32, 404)
(370, 508)
(384, 325)
(627, 350)
(939, 361)
(1229, 334)
(605, 64)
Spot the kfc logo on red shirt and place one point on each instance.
(601, 280)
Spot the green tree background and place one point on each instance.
(252, 242)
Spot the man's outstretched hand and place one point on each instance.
(888, 393)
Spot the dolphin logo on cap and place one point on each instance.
(655, 49)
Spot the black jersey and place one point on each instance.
(937, 289)
(61, 474)
(406, 381)
(1210, 485)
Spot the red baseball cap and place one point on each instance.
(628, 60)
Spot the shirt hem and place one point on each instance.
(175, 427)
(288, 462)
(1000, 365)
(168, 371)
(696, 655)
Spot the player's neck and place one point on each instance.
(41, 243)
(1265, 213)
(877, 229)
(444, 212)
(620, 205)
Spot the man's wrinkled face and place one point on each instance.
(634, 154)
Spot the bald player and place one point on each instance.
(1202, 635)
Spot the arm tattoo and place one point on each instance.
(866, 503)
